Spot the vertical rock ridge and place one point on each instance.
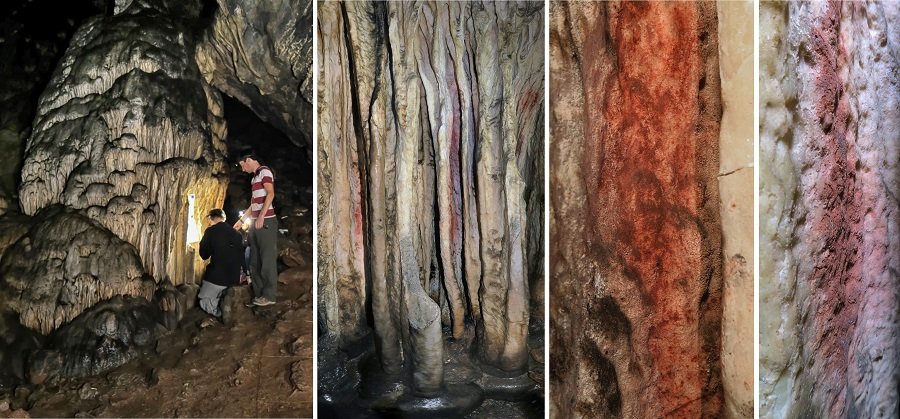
(635, 210)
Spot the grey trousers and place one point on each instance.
(264, 259)
(210, 296)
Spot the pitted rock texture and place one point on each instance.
(636, 245)
(64, 265)
(126, 132)
(430, 121)
(260, 52)
(829, 217)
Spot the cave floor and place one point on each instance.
(259, 367)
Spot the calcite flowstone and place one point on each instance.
(130, 134)
(829, 216)
(65, 264)
(636, 242)
(430, 121)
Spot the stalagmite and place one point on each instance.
(829, 216)
(636, 254)
(435, 137)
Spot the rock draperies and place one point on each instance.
(636, 246)
(430, 115)
(128, 134)
(829, 216)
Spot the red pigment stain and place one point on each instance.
(835, 223)
(642, 169)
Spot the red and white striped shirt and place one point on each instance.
(263, 176)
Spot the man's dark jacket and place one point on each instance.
(226, 248)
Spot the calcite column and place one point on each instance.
(829, 216)
(429, 115)
(636, 252)
(737, 193)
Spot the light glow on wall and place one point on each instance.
(193, 231)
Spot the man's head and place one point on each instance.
(248, 163)
(216, 215)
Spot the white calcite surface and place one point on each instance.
(736, 200)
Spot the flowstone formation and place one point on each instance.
(430, 203)
(829, 210)
(126, 153)
(651, 260)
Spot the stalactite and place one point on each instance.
(446, 132)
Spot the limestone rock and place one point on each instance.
(829, 216)
(736, 204)
(128, 133)
(260, 53)
(65, 264)
(636, 247)
(106, 336)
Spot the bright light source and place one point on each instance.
(193, 232)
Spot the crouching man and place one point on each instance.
(225, 246)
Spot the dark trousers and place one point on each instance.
(264, 259)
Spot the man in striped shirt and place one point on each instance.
(263, 231)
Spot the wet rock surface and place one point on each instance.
(636, 245)
(829, 216)
(430, 119)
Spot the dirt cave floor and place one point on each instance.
(261, 366)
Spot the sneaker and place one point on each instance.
(260, 302)
(263, 301)
(208, 322)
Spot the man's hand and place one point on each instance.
(237, 225)
(260, 221)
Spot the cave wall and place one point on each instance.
(637, 227)
(260, 53)
(430, 124)
(829, 220)
(126, 132)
